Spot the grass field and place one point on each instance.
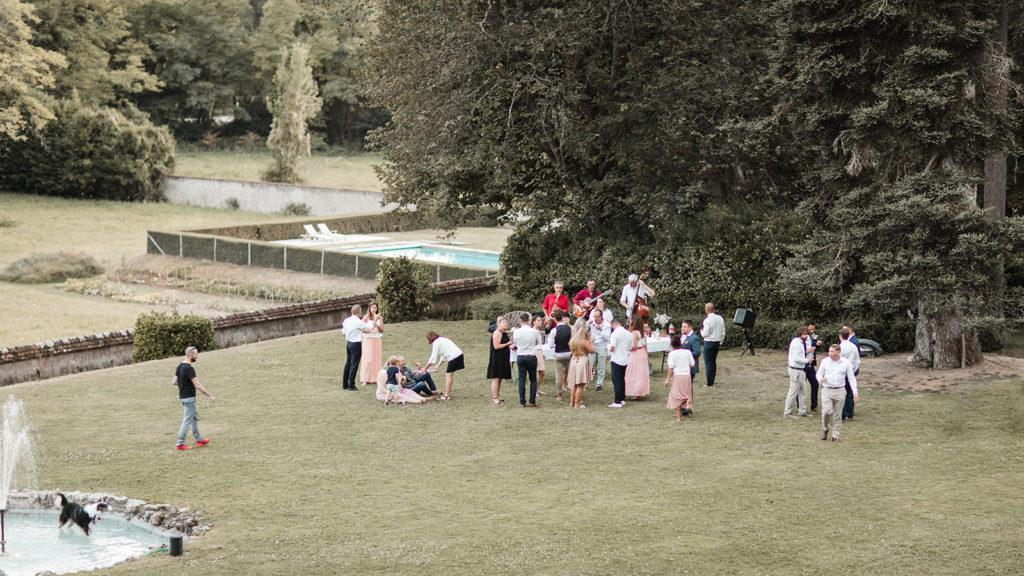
(303, 478)
(336, 170)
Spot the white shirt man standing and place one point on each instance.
(834, 375)
(619, 345)
(527, 341)
(353, 328)
(634, 288)
(849, 349)
(601, 332)
(713, 333)
(797, 360)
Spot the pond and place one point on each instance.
(35, 544)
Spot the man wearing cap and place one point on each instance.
(187, 383)
(834, 375)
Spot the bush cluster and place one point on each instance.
(90, 152)
(161, 335)
(490, 306)
(405, 290)
(43, 268)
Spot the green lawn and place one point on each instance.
(303, 478)
(331, 170)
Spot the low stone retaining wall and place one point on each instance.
(72, 355)
(181, 520)
(269, 197)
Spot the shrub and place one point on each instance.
(6, 222)
(295, 209)
(43, 268)
(490, 306)
(232, 203)
(90, 153)
(211, 140)
(405, 289)
(161, 335)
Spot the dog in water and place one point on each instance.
(75, 513)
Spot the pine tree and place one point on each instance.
(295, 102)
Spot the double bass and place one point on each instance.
(641, 307)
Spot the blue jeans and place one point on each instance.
(423, 383)
(190, 419)
(527, 366)
(711, 360)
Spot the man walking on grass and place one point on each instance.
(185, 379)
(835, 374)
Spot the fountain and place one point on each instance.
(17, 462)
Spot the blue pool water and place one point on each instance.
(439, 255)
(35, 544)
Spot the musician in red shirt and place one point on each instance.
(587, 298)
(556, 300)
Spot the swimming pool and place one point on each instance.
(438, 254)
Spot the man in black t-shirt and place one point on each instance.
(185, 379)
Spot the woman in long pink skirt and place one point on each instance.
(638, 379)
(373, 347)
(680, 395)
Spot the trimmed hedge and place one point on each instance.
(405, 289)
(90, 152)
(44, 268)
(160, 335)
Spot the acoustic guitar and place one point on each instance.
(581, 309)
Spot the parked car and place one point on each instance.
(870, 348)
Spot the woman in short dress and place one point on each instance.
(680, 395)
(443, 350)
(499, 365)
(581, 345)
(373, 347)
(638, 379)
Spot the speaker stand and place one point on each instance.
(749, 344)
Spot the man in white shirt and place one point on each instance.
(634, 288)
(619, 345)
(835, 375)
(713, 333)
(849, 349)
(601, 332)
(527, 340)
(353, 328)
(797, 360)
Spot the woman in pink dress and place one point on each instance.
(638, 379)
(680, 395)
(373, 347)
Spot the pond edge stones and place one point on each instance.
(182, 520)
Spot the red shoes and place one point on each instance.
(203, 442)
(182, 447)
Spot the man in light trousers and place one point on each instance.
(601, 331)
(798, 358)
(187, 383)
(834, 374)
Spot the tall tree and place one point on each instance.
(105, 61)
(889, 96)
(27, 71)
(295, 102)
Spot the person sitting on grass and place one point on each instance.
(394, 380)
(419, 381)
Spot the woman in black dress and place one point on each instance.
(499, 366)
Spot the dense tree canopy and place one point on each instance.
(26, 69)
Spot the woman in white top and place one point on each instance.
(606, 313)
(373, 348)
(444, 350)
(680, 396)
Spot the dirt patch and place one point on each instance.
(894, 372)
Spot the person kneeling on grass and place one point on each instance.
(187, 383)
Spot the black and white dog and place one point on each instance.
(75, 513)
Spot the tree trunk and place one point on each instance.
(938, 339)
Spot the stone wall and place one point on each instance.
(268, 197)
(72, 355)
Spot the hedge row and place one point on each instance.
(160, 335)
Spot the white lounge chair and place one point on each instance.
(311, 233)
(328, 233)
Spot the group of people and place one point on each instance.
(581, 350)
(395, 380)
